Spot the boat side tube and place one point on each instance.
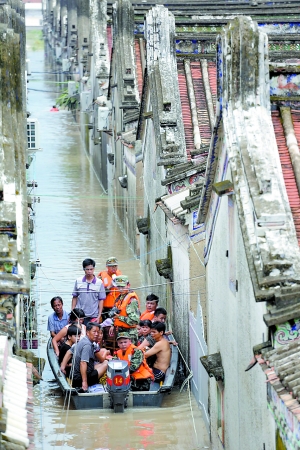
(171, 372)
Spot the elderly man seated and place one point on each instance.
(87, 370)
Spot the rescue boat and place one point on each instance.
(102, 396)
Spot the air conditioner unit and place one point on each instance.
(85, 101)
(65, 65)
(33, 137)
(103, 112)
(28, 67)
(71, 88)
(58, 52)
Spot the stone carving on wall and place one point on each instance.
(194, 46)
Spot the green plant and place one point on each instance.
(66, 101)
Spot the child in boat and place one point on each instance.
(146, 326)
(100, 352)
(73, 336)
(76, 318)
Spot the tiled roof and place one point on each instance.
(212, 73)
(17, 398)
(201, 103)
(171, 206)
(202, 113)
(109, 40)
(286, 164)
(186, 111)
(281, 367)
(138, 66)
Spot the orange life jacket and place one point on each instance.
(146, 315)
(112, 292)
(143, 372)
(121, 305)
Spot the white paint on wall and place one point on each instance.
(235, 325)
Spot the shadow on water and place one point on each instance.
(73, 221)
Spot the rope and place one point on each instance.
(67, 398)
(190, 375)
(187, 382)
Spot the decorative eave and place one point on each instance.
(164, 268)
(182, 171)
(213, 366)
(143, 225)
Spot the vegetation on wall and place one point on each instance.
(67, 101)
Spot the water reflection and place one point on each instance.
(74, 221)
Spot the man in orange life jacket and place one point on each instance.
(126, 312)
(151, 305)
(107, 277)
(140, 373)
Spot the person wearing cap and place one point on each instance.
(107, 276)
(126, 309)
(89, 293)
(140, 373)
(151, 305)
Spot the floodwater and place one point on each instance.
(73, 220)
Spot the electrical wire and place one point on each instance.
(42, 90)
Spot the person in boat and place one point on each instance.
(86, 371)
(151, 305)
(89, 293)
(73, 336)
(126, 312)
(107, 276)
(101, 353)
(160, 315)
(140, 373)
(76, 318)
(59, 318)
(161, 350)
(146, 326)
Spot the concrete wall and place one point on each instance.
(235, 325)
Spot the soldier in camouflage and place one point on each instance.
(127, 310)
(140, 373)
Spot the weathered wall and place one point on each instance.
(152, 176)
(235, 325)
(14, 245)
(179, 308)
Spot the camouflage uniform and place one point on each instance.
(136, 360)
(133, 318)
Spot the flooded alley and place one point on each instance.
(73, 220)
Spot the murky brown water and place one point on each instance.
(74, 221)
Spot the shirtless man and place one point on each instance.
(162, 351)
